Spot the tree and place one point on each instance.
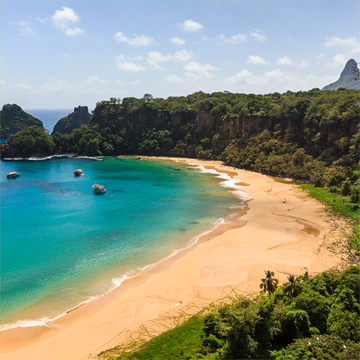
(292, 288)
(269, 283)
(148, 98)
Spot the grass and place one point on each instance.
(342, 206)
(338, 203)
(180, 343)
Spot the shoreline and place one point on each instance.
(285, 238)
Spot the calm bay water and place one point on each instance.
(62, 245)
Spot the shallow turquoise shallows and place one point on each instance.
(62, 245)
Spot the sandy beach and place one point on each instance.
(268, 234)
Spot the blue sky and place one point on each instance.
(61, 54)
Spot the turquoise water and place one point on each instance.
(62, 245)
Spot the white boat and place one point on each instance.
(99, 189)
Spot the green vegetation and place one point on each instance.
(179, 343)
(14, 119)
(343, 200)
(302, 135)
(305, 318)
(31, 141)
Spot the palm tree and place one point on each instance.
(292, 288)
(269, 284)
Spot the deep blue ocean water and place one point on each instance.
(62, 245)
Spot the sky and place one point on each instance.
(62, 54)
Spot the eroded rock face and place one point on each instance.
(75, 120)
(349, 78)
(13, 119)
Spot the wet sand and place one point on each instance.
(268, 234)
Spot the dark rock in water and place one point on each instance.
(13, 119)
(349, 78)
(194, 222)
(75, 120)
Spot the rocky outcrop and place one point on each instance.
(13, 119)
(349, 78)
(75, 120)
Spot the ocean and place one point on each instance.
(63, 245)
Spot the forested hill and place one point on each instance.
(290, 134)
(13, 119)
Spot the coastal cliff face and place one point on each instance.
(13, 119)
(225, 128)
(73, 121)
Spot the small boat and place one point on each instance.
(12, 174)
(77, 172)
(99, 189)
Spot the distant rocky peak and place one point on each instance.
(349, 78)
(350, 68)
(81, 110)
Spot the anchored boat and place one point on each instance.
(99, 189)
(12, 174)
(77, 172)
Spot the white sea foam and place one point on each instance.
(70, 156)
(228, 182)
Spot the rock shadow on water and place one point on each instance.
(48, 187)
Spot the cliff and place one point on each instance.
(349, 78)
(13, 119)
(73, 121)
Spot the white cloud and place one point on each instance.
(24, 28)
(191, 26)
(137, 40)
(65, 55)
(284, 61)
(350, 43)
(124, 64)
(183, 55)
(275, 80)
(154, 57)
(257, 35)
(174, 79)
(66, 18)
(257, 60)
(26, 31)
(176, 40)
(195, 70)
(94, 79)
(302, 64)
(43, 21)
(234, 39)
(337, 62)
(74, 32)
